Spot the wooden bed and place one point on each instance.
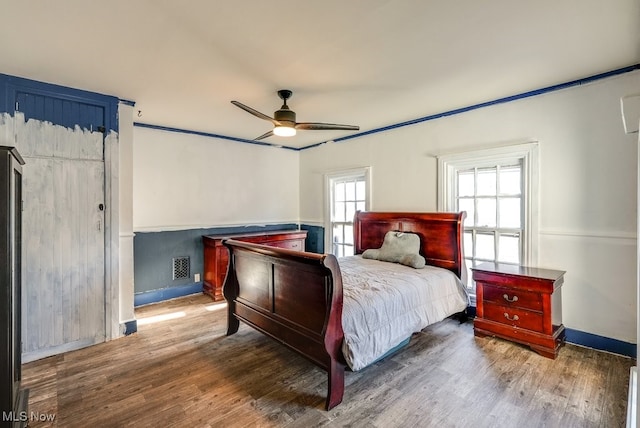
(296, 297)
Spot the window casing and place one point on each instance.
(347, 192)
(498, 190)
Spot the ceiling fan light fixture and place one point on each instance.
(284, 131)
(284, 120)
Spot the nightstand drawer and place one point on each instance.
(512, 297)
(513, 316)
(289, 245)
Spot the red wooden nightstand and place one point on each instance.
(521, 304)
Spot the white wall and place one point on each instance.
(183, 181)
(587, 211)
(125, 156)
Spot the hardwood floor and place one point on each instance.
(184, 372)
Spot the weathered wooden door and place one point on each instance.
(63, 229)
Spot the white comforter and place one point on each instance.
(384, 303)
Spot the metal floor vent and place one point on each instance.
(180, 268)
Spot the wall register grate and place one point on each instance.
(181, 268)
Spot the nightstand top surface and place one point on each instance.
(256, 233)
(509, 269)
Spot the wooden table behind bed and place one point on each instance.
(296, 297)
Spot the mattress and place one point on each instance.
(385, 303)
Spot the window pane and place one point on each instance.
(351, 211)
(468, 244)
(360, 191)
(487, 182)
(471, 285)
(348, 194)
(465, 183)
(485, 246)
(339, 192)
(338, 232)
(509, 246)
(467, 205)
(348, 234)
(510, 180)
(338, 213)
(486, 212)
(350, 191)
(510, 212)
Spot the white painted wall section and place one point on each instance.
(183, 181)
(125, 277)
(587, 187)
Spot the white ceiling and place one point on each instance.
(370, 63)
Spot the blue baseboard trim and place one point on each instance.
(600, 343)
(162, 294)
(130, 327)
(589, 340)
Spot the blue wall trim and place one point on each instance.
(11, 86)
(601, 343)
(589, 340)
(516, 97)
(520, 96)
(211, 135)
(155, 296)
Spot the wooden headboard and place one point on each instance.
(440, 235)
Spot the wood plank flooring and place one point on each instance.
(184, 372)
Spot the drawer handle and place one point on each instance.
(506, 297)
(515, 317)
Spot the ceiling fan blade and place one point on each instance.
(325, 126)
(255, 112)
(265, 135)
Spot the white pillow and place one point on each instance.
(398, 247)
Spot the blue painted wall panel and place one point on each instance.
(315, 238)
(57, 104)
(61, 112)
(153, 254)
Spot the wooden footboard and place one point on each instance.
(293, 297)
(296, 297)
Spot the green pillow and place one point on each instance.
(398, 247)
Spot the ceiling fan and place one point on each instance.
(284, 120)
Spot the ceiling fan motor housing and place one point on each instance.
(285, 115)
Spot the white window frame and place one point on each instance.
(330, 179)
(527, 155)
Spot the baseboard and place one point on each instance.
(155, 296)
(130, 327)
(590, 340)
(601, 343)
(632, 401)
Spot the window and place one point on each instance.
(348, 192)
(498, 190)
